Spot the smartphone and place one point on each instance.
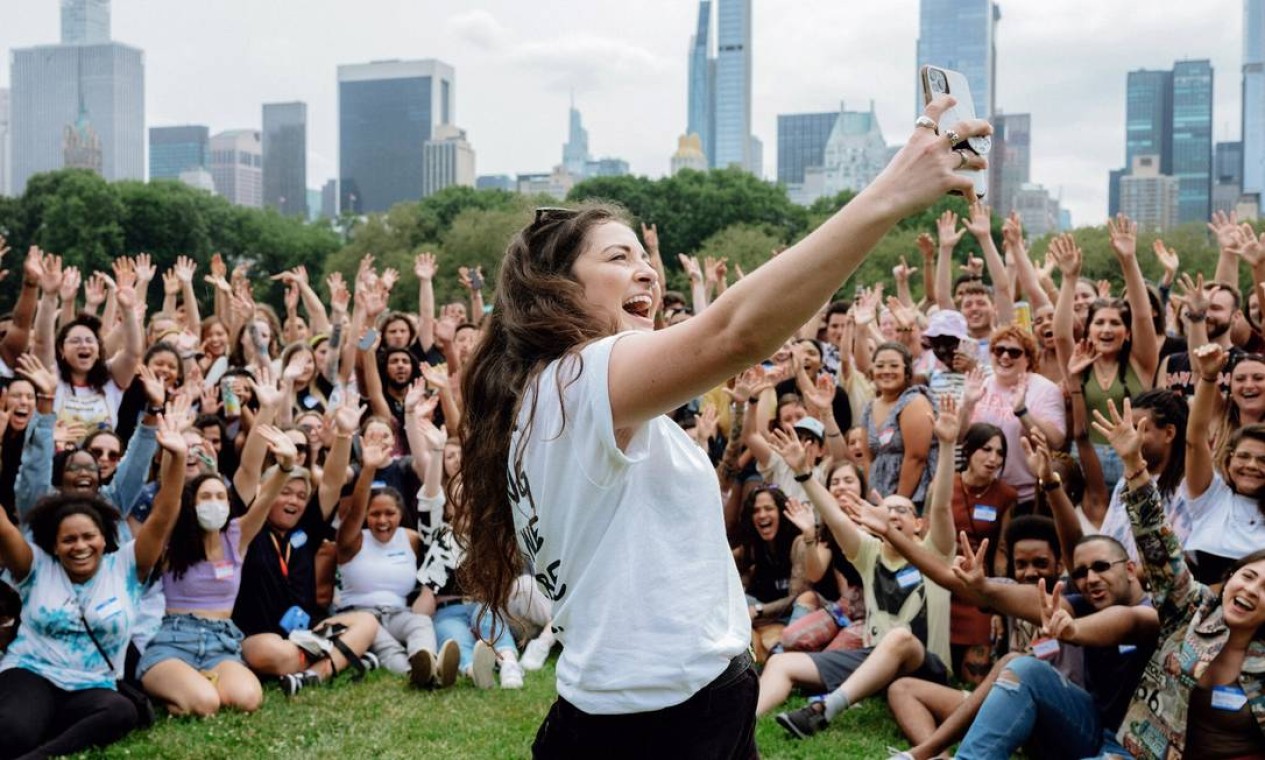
(366, 341)
(476, 280)
(938, 81)
(232, 404)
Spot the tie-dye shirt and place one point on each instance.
(52, 641)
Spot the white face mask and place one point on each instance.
(212, 514)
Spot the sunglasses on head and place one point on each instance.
(1011, 351)
(1099, 567)
(549, 214)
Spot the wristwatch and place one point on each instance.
(759, 609)
(1053, 484)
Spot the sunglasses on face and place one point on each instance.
(85, 466)
(1011, 351)
(112, 456)
(1099, 567)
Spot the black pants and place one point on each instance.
(37, 719)
(717, 722)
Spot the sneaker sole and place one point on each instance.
(422, 669)
(481, 671)
(449, 661)
(784, 720)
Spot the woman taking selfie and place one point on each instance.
(587, 471)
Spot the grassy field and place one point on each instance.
(383, 718)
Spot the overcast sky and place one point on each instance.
(214, 62)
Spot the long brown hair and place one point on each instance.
(539, 314)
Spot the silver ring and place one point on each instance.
(954, 137)
(962, 158)
(926, 122)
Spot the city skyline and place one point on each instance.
(631, 85)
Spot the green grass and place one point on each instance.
(383, 718)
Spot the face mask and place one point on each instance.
(212, 514)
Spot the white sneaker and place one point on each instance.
(535, 654)
(481, 669)
(511, 674)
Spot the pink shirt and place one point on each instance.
(1044, 400)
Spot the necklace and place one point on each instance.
(971, 494)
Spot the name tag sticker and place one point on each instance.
(378, 484)
(1126, 649)
(298, 539)
(885, 436)
(1229, 698)
(909, 577)
(223, 570)
(109, 608)
(984, 513)
(1045, 649)
(398, 556)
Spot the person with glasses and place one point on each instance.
(1199, 696)
(568, 457)
(947, 339)
(907, 616)
(104, 446)
(1225, 498)
(18, 411)
(1017, 399)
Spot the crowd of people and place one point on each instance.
(1052, 493)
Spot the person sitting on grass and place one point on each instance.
(287, 635)
(377, 562)
(194, 663)
(907, 631)
(771, 563)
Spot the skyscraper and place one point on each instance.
(801, 143)
(4, 141)
(97, 83)
(1149, 117)
(1010, 162)
(960, 35)
(173, 150)
(237, 166)
(1192, 139)
(285, 157)
(702, 85)
(448, 160)
(387, 110)
(1227, 176)
(85, 22)
(733, 86)
(575, 151)
(1148, 196)
(1253, 97)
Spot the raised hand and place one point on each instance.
(1168, 259)
(435, 437)
(339, 296)
(1066, 255)
(124, 272)
(650, 235)
(905, 316)
(292, 299)
(800, 515)
(1249, 247)
(390, 276)
(265, 388)
(979, 223)
(1036, 451)
(708, 422)
(1021, 393)
(1225, 227)
(169, 435)
(41, 377)
(946, 421)
(948, 231)
(347, 416)
(1084, 354)
(745, 384)
(51, 275)
(1194, 294)
(171, 283)
(874, 518)
(1123, 232)
(145, 269)
(926, 246)
(424, 266)
(821, 395)
(1124, 435)
(282, 447)
(415, 394)
(218, 267)
(436, 376)
(968, 566)
(691, 267)
(786, 443)
(973, 389)
(155, 388)
(69, 284)
(902, 272)
(866, 305)
(974, 265)
(1209, 359)
(1056, 622)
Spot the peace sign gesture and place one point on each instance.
(968, 566)
(1056, 621)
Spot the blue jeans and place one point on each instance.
(458, 621)
(1052, 716)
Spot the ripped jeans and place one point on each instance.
(1031, 704)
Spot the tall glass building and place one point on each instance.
(176, 149)
(285, 158)
(1254, 97)
(1010, 162)
(4, 141)
(387, 110)
(85, 22)
(1148, 117)
(702, 85)
(801, 143)
(960, 35)
(733, 86)
(1192, 139)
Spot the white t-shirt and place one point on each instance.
(88, 405)
(1223, 522)
(629, 545)
(779, 472)
(898, 596)
(52, 642)
(1115, 522)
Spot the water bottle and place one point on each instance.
(838, 614)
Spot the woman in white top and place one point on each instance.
(567, 455)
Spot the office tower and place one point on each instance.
(329, 199)
(1227, 176)
(448, 160)
(1038, 212)
(575, 151)
(855, 152)
(606, 167)
(1253, 134)
(1148, 196)
(386, 111)
(285, 157)
(702, 85)
(198, 178)
(4, 141)
(173, 150)
(689, 154)
(86, 83)
(313, 204)
(1149, 117)
(495, 182)
(1010, 162)
(801, 143)
(1192, 139)
(237, 166)
(961, 35)
(733, 86)
(85, 22)
(1113, 190)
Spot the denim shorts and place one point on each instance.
(200, 643)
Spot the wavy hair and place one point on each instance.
(99, 372)
(539, 315)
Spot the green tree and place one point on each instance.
(745, 245)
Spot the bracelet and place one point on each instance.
(285, 469)
(154, 409)
(803, 478)
(1196, 316)
(437, 451)
(904, 329)
(45, 396)
(343, 436)
(1137, 473)
(753, 400)
(1021, 411)
(30, 284)
(1207, 379)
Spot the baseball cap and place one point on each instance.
(947, 322)
(813, 426)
